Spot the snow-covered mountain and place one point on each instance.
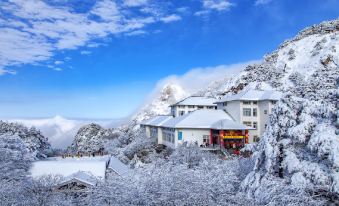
(169, 94)
(92, 138)
(61, 131)
(300, 145)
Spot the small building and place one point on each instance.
(152, 127)
(251, 108)
(191, 104)
(204, 127)
(77, 183)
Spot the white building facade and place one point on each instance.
(197, 127)
(251, 108)
(191, 104)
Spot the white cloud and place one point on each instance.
(197, 79)
(68, 58)
(61, 131)
(219, 5)
(213, 5)
(136, 33)
(33, 31)
(85, 52)
(135, 3)
(202, 13)
(183, 9)
(58, 62)
(5, 71)
(57, 69)
(170, 18)
(262, 2)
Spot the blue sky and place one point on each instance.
(100, 59)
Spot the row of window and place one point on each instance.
(168, 136)
(199, 107)
(206, 139)
(249, 102)
(249, 124)
(248, 112)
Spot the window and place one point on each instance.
(154, 132)
(224, 104)
(181, 106)
(256, 139)
(191, 106)
(273, 102)
(210, 107)
(247, 112)
(255, 112)
(179, 135)
(246, 102)
(255, 102)
(255, 125)
(181, 113)
(205, 139)
(200, 107)
(249, 124)
(265, 111)
(168, 135)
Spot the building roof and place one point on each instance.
(203, 119)
(81, 176)
(253, 95)
(118, 167)
(69, 166)
(197, 101)
(226, 124)
(157, 120)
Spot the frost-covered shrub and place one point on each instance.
(42, 191)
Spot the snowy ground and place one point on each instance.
(69, 166)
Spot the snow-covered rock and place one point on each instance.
(170, 94)
(92, 138)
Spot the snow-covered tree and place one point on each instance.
(34, 140)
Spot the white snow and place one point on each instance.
(117, 166)
(69, 166)
(157, 120)
(197, 101)
(204, 118)
(253, 95)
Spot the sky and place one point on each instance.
(101, 58)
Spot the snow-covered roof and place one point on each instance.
(204, 119)
(229, 124)
(118, 167)
(253, 95)
(156, 121)
(196, 101)
(69, 166)
(81, 176)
